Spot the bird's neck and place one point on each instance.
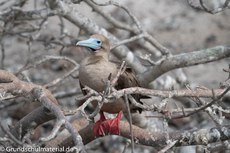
(94, 60)
(100, 55)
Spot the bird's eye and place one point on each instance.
(98, 42)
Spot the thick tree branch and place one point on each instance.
(157, 139)
(31, 121)
(10, 83)
(184, 60)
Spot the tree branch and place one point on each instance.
(157, 139)
(184, 60)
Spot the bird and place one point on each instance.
(96, 68)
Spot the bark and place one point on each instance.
(154, 139)
(184, 60)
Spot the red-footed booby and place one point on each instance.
(96, 68)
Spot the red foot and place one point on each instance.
(113, 125)
(98, 128)
(110, 125)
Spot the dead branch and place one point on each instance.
(140, 31)
(130, 121)
(215, 99)
(128, 142)
(199, 101)
(10, 83)
(12, 137)
(145, 44)
(17, 22)
(167, 94)
(156, 135)
(92, 28)
(148, 92)
(155, 139)
(168, 146)
(78, 19)
(184, 60)
(205, 8)
(61, 119)
(31, 121)
(120, 72)
(74, 17)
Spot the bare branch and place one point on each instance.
(130, 121)
(109, 17)
(168, 146)
(128, 142)
(205, 106)
(167, 94)
(122, 52)
(146, 45)
(32, 28)
(157, 139)
(9, 134)
(110, 2)
(120, 72)
(3, 54)
(61, 119)
(184, 60)
(203, 7)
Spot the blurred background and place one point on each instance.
(174, 24)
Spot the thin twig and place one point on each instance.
(141, 30)
(119, 73)
(205, 8)
(110, 2)
(203, 107)
(142, 35)
(130, 120)
(3, 54)
(168, 146)
(9, 134)
(100, 103)
(89, 91)
(128, 142)
(165, 125)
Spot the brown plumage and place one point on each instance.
(96, 68)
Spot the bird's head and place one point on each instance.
(98, 44)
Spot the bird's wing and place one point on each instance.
(128, 79)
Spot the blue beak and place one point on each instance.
(92, 43)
